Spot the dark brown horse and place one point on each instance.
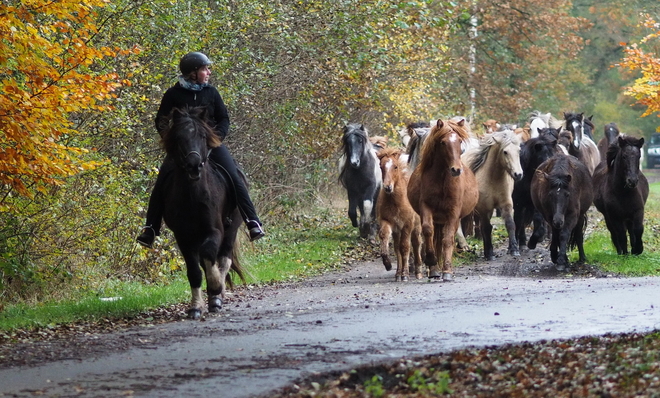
(396, 216)
(562, 192)
(200, 209)
(621, 193)
(532, 153)
(442, 190)
(610, 131)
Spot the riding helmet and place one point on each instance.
(192, 61)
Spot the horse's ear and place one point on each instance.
(439, 123)
(176, 113)
(541, 175)
(640, 143)
(591, 118)
(461, 122)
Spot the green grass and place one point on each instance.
(600, 251)
(123, 299)
(303, 246)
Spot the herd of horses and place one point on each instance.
(447, 180)
(421, 195)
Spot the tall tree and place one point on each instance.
(49, 75)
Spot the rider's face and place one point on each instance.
(203, 74)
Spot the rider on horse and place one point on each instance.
(193, 90)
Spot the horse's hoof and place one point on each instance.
(404, 279)
(397, 278)
(447, 277)
(560, 267)
(490, 258)
(419, 275)
(433, 273)
(215, 304)
(515, 253)
(194, 314)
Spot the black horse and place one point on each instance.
(200, 209)
(533, 152)
(360, 174)
(562, 192)
(621, 193)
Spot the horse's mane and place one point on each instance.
(614, 149)
(559, 175)
(589, 122)
(353, 128)
(568, 116)
(179, 119)
(547, 118)
(389, 152)
(437, 133)
(477, 158)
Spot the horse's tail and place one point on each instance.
(236, 267)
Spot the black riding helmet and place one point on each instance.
(192, 61)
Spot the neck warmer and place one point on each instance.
(192, 86)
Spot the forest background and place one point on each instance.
(80, 83)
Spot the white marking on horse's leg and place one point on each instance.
(213, 276)
(368, 206)
(197, 299)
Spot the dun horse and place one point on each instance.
(442, 191)
(562, 192)
(396, 216)
(496, 165)
(200, 209)
(360, 174)
(621, 193)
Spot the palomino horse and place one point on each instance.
(539, 121)
(581, 146)
(200, 208)
(442, 191)
(360, 174)
(562, 192)
(496, 165)
(396, 216)
(621, 193)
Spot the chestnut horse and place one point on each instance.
(396, 216)
(496, 166)
(442, 190)
(621, 193)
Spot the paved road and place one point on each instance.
(275, 335)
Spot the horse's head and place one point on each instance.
(391, 167)
(624, 158)
(189, 140)
(611, 131)
(575, 124)
(509, 144)
(355, 143)
(443, 145)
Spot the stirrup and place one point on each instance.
(255, 230)
(147, 237)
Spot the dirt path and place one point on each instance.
(267, 337)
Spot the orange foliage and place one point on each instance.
(646, 89)
(47, 78)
